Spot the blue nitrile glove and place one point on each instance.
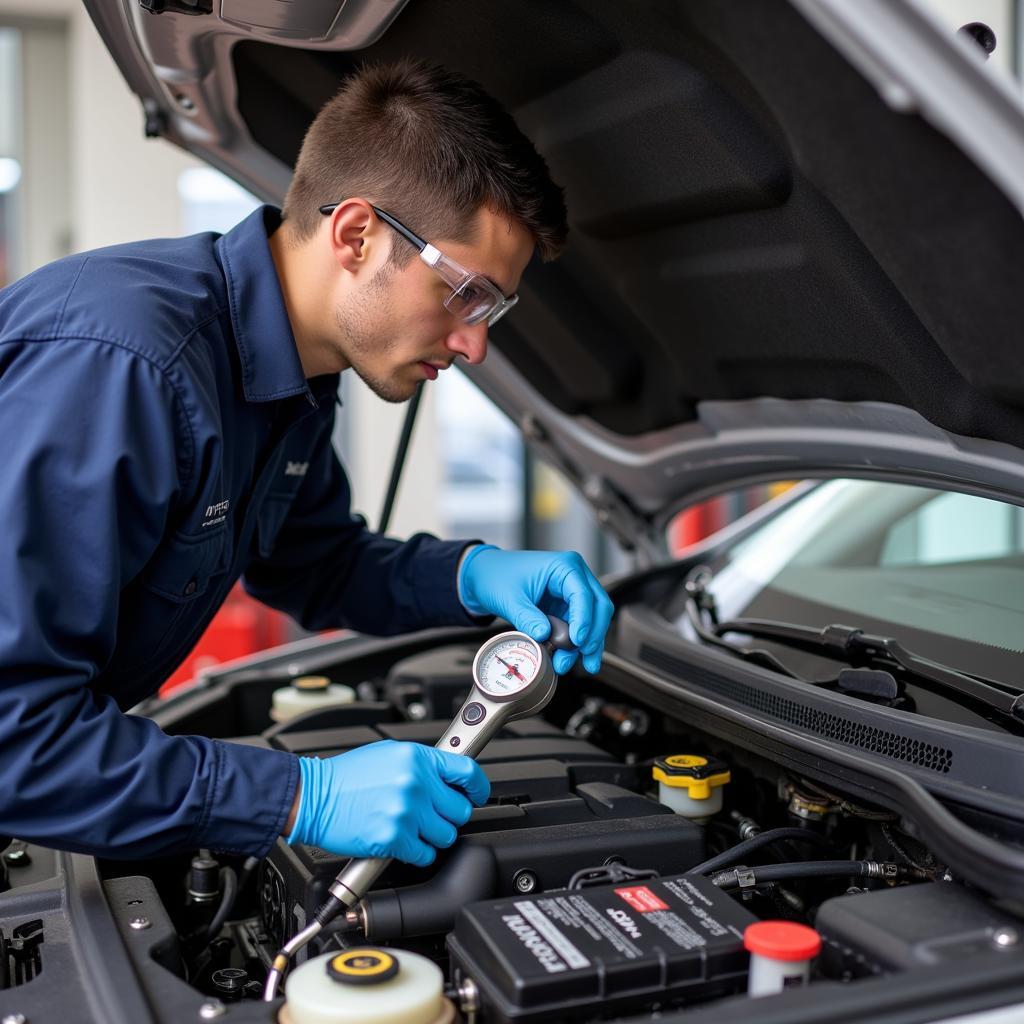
(522, 586)
(387, 799)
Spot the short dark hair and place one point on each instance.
(430, 147)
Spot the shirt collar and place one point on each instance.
(271, 368)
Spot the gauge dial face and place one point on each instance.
(509, 665)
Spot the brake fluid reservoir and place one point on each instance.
(780, 955)
(306, 693)
(690, 784)
(367, 986)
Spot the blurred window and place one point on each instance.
(211, 201)
(885, 557)
(955, 528)
(482, 465)
(10, 154)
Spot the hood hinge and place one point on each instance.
(631, 529)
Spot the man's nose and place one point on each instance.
(469, 342)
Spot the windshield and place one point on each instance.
(943, 569)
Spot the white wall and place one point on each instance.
(122, 185)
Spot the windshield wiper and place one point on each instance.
(846, 643)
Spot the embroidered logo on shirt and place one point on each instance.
(216, 513)
(296, 468)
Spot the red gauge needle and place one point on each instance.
(511, 668)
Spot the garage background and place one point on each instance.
(76, 172)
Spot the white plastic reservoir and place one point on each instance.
(307, 693)
(367, 986)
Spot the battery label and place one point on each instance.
(574, 953)
(556, 942)
(641, 899)
(553, 928)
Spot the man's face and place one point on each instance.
(394, 330)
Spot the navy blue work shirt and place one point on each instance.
(159, 441)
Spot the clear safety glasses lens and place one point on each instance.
(473, 299)
(476, 300)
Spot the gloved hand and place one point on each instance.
(523, 585)
(387, 799)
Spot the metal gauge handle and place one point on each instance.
(479, 718)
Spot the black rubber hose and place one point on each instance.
(735, 854)
(229, 889)
(813, 869)
(431, 907)
(249, 865)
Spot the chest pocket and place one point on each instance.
(174, 597)
(184, 567)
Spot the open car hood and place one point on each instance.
(796, 240)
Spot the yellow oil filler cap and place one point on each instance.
(367, 985)
(691, 784)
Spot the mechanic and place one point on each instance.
(167, 409)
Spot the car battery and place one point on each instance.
(594, 952)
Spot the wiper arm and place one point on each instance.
(701, 602)
(847, 643)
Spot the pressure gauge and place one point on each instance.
(508, 664)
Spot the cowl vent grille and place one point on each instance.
(823, 723)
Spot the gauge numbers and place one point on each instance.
(509, 665)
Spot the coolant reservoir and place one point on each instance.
(367, 986)
(306, 693)
(690, 784)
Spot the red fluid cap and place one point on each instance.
(782, 940)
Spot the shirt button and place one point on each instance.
(190, 588)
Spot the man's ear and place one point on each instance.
(355, 234)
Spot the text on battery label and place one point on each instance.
(528, 936)
(687, 892)
(620, 917)
(555, 939)
(590, 914)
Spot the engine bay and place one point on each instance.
(613, 875)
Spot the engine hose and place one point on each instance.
(430, 907)
(229, 889)
(249, 865)
(740, 850)
(745, 878)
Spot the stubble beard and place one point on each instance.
(363, 323)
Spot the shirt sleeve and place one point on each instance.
(96, 452)
(328, 570)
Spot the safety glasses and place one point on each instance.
(473, 298)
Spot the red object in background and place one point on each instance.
(696, 523)
(241, 627)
